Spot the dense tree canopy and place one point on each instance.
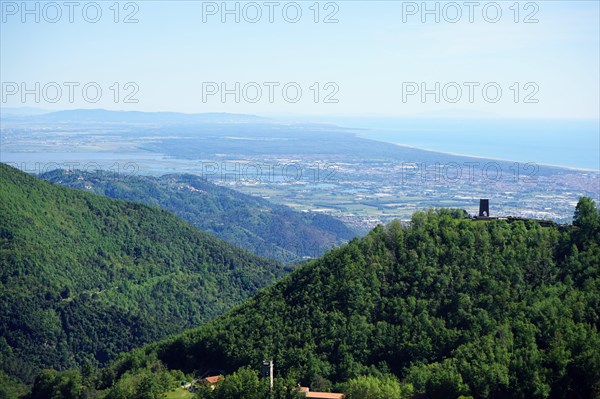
(446, 307)
(274, 231)
(451, 306)
(84, 277)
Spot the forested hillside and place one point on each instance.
(85, 277)
(269, 230)
(448, 306)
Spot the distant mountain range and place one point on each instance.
(128, 117)
(269, 230)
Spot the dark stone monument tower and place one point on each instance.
(484, 208)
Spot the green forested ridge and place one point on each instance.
(451, 307)
(270, 230)
(84, 277)
(444, 308)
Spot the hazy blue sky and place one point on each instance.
(367, 54)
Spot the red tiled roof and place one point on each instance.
(213, 380)
(324, 395)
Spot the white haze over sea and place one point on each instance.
(560, 142)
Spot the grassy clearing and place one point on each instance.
(179, 393)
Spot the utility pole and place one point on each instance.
(267, 370)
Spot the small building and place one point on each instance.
(321, 395)
(212, 381)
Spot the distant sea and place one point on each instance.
(568, 143)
